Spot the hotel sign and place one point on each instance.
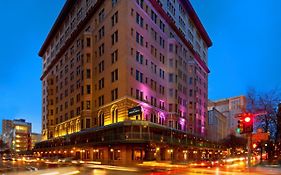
(134, 111)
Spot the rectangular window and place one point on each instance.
(139, 76)
(114, 19)
(139, 57)
(114, 56)
(153, 16)
(139, 20)
(139, 38)
(101, 83)
(114, 37)
(88, 73)
(88, 123)
(88, 42)
(101, 32)
(101, 49)
(162, 26)
(114, 94)
(162, 42)
(101, 15)
(114, 75)
(101, 100)
(140, 3)
(88, 89)
(101, 66)
(139, 95)
(114, 2)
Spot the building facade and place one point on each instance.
(110, 62)
(6, 126)
(217, 125)
(231, 108)
(17, 134)
(35, 138)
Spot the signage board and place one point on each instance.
(260, 137)
(134, 111)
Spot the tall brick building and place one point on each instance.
(141, 63)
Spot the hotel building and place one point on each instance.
(124, 71)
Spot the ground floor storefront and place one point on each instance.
(130, 142)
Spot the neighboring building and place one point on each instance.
(230, 108)
(110, 64)
(7, 125)
(217, 125)
(35, 138)
(17, 134)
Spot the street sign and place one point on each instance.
(260, 137)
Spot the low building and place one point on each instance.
(35, 138)
(230, 107)
(17, 134)
(217, 125)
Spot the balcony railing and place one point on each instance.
(133, 132)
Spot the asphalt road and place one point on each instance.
(22, 168)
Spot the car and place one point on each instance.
(65, 160)
(77, 161)
(29, 159)
(7, 158)
(217, 163)
(201, 164)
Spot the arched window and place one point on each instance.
(77, 125)
(114, 114)
(101, 118)
(161, 118)
(161, 122)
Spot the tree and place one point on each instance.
(278, 134)
(264, 102)
(233, 141)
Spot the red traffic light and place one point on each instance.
(247, 119)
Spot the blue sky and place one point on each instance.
(246, 51)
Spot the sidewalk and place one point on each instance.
(267, 164)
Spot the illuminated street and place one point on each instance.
(136, 171)
(230, 168)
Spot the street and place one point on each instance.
(24, 168)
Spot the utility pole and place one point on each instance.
(249, 135)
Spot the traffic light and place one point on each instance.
(248, 124)
(240, 128)
(245, 123)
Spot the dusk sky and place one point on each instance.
(246, 50)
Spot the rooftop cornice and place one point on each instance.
(195, 19)
(59, 21)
